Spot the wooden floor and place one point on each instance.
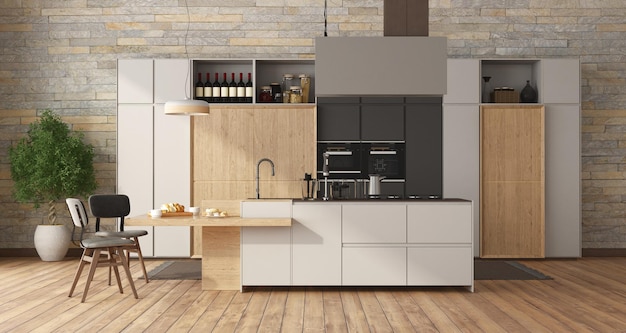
(586, 295)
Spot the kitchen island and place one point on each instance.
(283, 242)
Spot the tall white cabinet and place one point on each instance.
(153, 150)
(558, 84)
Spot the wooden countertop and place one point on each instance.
(202, 221)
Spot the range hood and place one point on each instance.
(380, 66)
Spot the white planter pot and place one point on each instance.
(52, 241)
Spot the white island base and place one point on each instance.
(359, 243)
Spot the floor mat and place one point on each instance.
(177, 270)
(483, 270)
(505, 270)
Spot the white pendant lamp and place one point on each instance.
(187, 107)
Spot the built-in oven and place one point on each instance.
(386, 159)
(341, 160)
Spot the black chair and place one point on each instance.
(98, 251)
(117, 206)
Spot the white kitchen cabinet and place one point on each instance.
(461, 153)
(374, 266)
(154, 161)
(266, 256)
(134, 164)
(374, 223)
(560, 81)
(463, 82)
(442, 223)
(440, 266)
(316, 249)
(266, 251)
(135, 81)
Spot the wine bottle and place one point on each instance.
(224, 90)
(232, 89)
(199, 87)
(249, 89)
(208, 89)
(241, 90)
(216, 90)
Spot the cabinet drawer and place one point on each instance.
(439, 223)
(374, 223)
(440, 266)
(374, 266)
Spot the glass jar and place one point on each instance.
(295, 95)
(287, 78)
(277, 93)
(265, 96)
(305, 83)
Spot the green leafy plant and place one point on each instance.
(51, 163)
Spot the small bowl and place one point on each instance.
(194, 210)
(156, 213)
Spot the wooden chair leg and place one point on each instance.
(92, 270)
(140, 256)
(113, 263)
(128, 275)
(79, 271)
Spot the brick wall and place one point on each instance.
(62, 55)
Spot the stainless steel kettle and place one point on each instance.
(374, 188)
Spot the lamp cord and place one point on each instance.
(325, 18)
(187, 52)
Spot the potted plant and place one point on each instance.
(49, 164)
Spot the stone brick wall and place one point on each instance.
(62, 55)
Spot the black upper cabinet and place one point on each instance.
(424, 157)
(382, 119)
(338, 119)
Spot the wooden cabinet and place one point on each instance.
(558, 83)
(316, 250)
(230, 141)
(512, 205)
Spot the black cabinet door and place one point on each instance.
(338, 119)
(382, 119)
(424, 157)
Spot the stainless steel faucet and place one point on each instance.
(258, 165)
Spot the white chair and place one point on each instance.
(98, 251)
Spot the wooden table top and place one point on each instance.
(203, 221)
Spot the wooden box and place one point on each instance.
(505, 96)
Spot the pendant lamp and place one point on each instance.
(187, 107)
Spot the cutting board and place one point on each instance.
(176, 214)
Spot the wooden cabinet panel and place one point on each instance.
(222, 143)
(512, 181)
(287, 137)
